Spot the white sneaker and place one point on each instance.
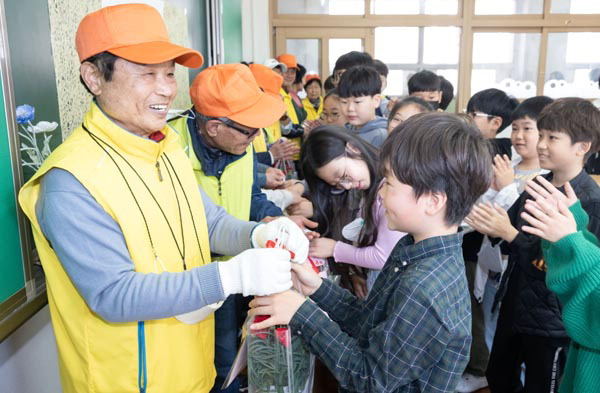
(469, 383)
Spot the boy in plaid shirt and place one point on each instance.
(413, 332)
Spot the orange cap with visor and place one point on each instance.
(134, 32)
(267, 79)
(230, 90)
(288, 60)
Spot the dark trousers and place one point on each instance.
(478, 360)
(228, 320)
(544, 360)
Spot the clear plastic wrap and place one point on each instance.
(278, 361)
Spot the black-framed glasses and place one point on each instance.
(230, 123)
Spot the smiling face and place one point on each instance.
(289, 77)
(403, 211)
(557, 152)
(345, 173)
(360, 110)
(138, 96)
(524, 137)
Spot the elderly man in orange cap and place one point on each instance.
(217, 132)
(123, 232)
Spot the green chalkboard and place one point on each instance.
(12, 274)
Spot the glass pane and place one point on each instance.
(507, 61)
(441, 45)
(396, 83)
(340, 46)
(327, 7)
(397, 44)
(414, 7)
(508, 7)
(572, 66)
(307, 52)
(575, 7)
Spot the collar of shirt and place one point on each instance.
(407, 251)
(213, 160)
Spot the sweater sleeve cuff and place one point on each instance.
(581, 218)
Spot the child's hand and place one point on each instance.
(492, 221)
(548, 221)
(281, 307)
(359, 284)
(305, 279)
(504, 173)
(321, 247)
(546, 190)
(303, 208)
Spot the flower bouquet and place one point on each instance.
(278, 361)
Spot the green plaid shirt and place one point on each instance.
(412, 333)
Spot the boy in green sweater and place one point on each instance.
(573, 261)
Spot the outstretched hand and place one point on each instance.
(548, 221)
(492, 221)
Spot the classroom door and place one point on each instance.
(318, 49)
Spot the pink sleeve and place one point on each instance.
(375, 256)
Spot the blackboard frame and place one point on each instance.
(22, 305)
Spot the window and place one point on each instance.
(327, 7)
(414, 7)
(508, 7)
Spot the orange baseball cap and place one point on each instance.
(267, 79)
(230, 90)
(135, 32)
(310, 77)
(288, 60)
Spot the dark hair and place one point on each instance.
(381, 67)
(420, 103)
(531, 108)
(439, 152)
(105, 62)
(359, 81)
(424, 80)
(494, 102)
(300, 72)
(352, 59)
(324, 144)
(312, 81)
(576, 117)
(447, 93)
(328, 85)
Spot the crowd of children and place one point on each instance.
(436, 280)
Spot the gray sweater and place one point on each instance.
(374, 131)
(91, 247)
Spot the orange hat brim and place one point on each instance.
(158, 52)
(266, 111)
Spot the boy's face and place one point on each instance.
(432, 97)
(556, 152)
(360, 110)
(525, 136)
(488, 125)
(403, 211)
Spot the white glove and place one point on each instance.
(261, 271)
(193, 317)
(284, 231)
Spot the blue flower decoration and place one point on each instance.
(25, 114)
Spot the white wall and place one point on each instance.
(255, 31)
(28, 358)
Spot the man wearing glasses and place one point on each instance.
(217, 133)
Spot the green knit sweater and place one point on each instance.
(574, 275)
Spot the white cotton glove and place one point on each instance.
(193, 317)
(293, 238)
(259, 272)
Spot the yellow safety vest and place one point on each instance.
(233, 191)
(96, 355)
(311, 113)
(273, 133)
(291, 112)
